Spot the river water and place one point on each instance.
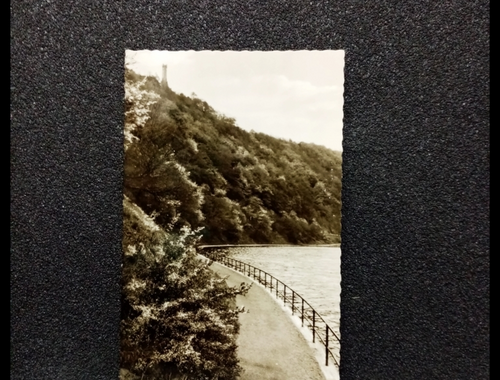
(313, 272)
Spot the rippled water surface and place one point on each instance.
(313, 272)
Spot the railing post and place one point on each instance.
(314, 325)
(326, 346)
(302, 315)
(246, 269)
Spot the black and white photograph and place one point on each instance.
(232, 215)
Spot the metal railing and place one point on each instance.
(309, 317)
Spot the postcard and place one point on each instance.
(232, 215)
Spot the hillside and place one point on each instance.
(188, 165)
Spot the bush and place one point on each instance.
(178, 317)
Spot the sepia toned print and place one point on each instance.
(232, 215)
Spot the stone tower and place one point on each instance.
(164, 76)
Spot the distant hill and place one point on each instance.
(189, 165)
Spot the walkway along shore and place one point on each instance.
(270, 345)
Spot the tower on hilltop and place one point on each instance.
(164, 76)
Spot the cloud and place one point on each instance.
(293, 95)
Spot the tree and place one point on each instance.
(224, 219)
(157, 182)
(183, 146)
(137, 106)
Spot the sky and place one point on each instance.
(296, 95)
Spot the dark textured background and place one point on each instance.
(415, 264)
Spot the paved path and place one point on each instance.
(270, 347)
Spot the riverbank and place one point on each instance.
(270, 346)
(312, 271)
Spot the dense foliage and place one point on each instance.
(192, 166)
(192, 174)
(178, 318)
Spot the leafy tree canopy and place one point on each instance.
(195, 167)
